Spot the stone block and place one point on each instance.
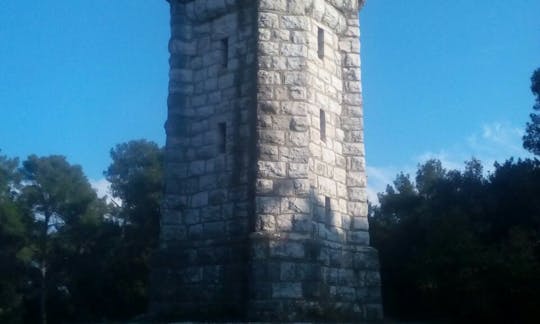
(294, 78)
(271, 170)
(269, 153)
(275, 5)
(268, 20)
(356, 163)
(296, 63)
(269, 205)
(358, 237)
(287, 249)
(357, 209)
(195, 232)
(269, 48)
(284, 223)
(269, 77)
(294, 108)
(266, 223)
(264, 186)
(301, 187)
(272, 137)
(295, 205)
(294, 154)
(200, 199)
(297, 170)
(301, 224)
(284, 188)
(288, 271)
(213, 229)
(295, 22)
(287, 290)
(192, 275)
(326, 186)
(191, 216)
(299, 123)
(356, 149)
(210, 213)
(293, 50)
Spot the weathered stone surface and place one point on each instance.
(265, 215)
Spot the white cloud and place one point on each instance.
(498, 141)
(448, 160)
(378, 179)
(101, 186)
(103, 189)
(495, 141)
(372, 195)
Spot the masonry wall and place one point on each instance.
(310, 249)
(200, 268)
(265, 213)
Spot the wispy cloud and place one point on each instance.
(494, 141)
(449, 160)
(103, 189)
(498, 141)
(378, 179)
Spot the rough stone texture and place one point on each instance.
(265, 213)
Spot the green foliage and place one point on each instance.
(68, 256)
(56, 189)
(531, 139)
(136, 177)
(64, 209)
(459, 246)
(14, 253)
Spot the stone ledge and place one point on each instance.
(202, 10)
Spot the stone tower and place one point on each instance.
(265, 213)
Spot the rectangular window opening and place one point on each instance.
(322, 125)
(225, 52)
(222, 137)
(320, 43)
(327, 208)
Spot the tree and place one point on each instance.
(136, 177)
(68, 256)
(531, 139)
(60, 198)
(458, 246)
(14, 252)
(428, 176)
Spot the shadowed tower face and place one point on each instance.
(265, 212)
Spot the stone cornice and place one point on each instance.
(339, 4)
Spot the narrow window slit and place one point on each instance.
(225, 52)
(322, 125)
(222, 137)
(320, 43)
(327, 208)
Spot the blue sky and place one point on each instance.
(445, 79)
(78, 77)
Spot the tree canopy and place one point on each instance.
(14, 254)
(460, 246)
(69, 256)
(531, 139)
